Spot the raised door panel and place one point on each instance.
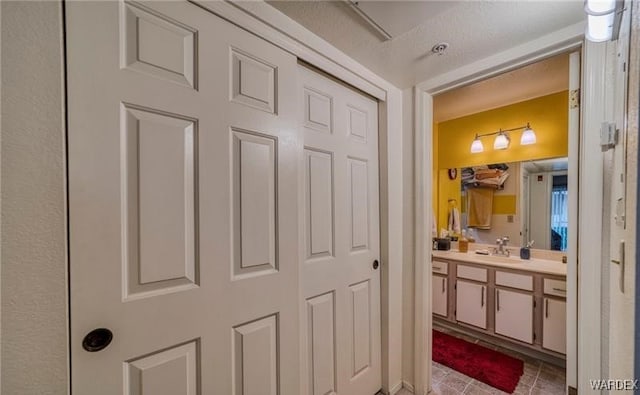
(158, 45)
(514, 315)
(321, 347)
(439, 295)
(319, 218)
(254, 175)
(471, 306)
(174, 371)
(255, 357)
(554, 325)
(253, 81)
(359, 203)
(159, 165)
(318, 110)
(360, 327)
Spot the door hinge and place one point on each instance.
(534, 337)
(455, 286)
(574, 98)
(534, 304)
(455, 313)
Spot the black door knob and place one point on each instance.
(97, 339)
(376, 264)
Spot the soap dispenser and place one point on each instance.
(463, 243)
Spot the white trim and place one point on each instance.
(560, 41)
(590, 217)
(572, 250)
(422, 261)
(265, 21)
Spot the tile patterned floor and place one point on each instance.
(539, 378)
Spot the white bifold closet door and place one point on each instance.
(340, 278)
(183, 202)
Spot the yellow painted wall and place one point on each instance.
(548, 116)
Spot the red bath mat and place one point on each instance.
(491, 367)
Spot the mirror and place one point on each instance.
(526, 201)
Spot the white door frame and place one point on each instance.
(564, 40)
(273, 26)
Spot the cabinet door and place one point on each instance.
(439, 295)
(471, 303)
(554, 333)
(514, 315)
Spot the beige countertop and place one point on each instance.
(536, 265)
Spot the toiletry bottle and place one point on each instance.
(463, 243)
(470, 237)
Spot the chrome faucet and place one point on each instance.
(501, 248)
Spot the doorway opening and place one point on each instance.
(492, 293)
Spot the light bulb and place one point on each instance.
(501, 142)
(528, 137)
(476, 146)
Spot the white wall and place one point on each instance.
(33, 281)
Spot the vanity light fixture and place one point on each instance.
(503, 140)
(603, 19)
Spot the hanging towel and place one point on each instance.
(454, 220)
(434, 229)
(480, 202)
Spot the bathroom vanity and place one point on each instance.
(522, 302)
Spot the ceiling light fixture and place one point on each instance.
(503, 140)
(603, 19)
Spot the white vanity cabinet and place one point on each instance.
(515, 304)
(554, 316)
(440, 288)
(471, 303)
(514, 314)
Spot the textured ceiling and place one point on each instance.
(474, 30)
(535, 80)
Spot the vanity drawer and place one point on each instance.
(514, 280)
(472, 273)
(555, 287)
(440, 267)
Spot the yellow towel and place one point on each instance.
(480, 202)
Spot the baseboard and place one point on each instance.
(394, 390)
